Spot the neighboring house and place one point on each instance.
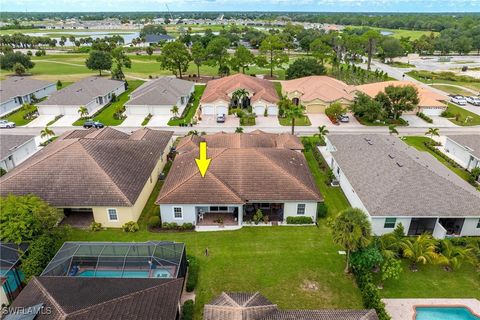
(248, 172)
(152, 39)
(11, 277)
(254, 306)
(16, 91)
(105, 174)
(218, 95)
(317, 92)
(430, 103)
(156, 97)
(394, 183)
(14, 149)
(464, 149)
(91, 92)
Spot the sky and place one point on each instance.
(243, 5)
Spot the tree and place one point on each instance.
(99, 60)
(24, 218)
(19, 69)
(366, 259)
(321, 50)
(239, 130)
(305, 67)
(10, 59)
(198, 55)
(241, 59)
(371, 38)
(83, 111)
(391, 48)
(398, 99)
(433, 132)
(351, 230)
(419, 250)
(452, 256)
(149, 50)
(217, 54)
(152, 29)
(365, 107)
(335, 110)
(121, 60)
(46, 132)
(174, 111)
(322, 132)
(392, 129)
(391, 269)
(239, 96)
(175, 57)
(291, 111)
(389, 245)
(272, 52)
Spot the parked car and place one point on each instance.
(221, 118)
(459, 100)
(473, 100)
(344, 118)
(93, 124)
(7, 124)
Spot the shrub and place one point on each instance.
(154, 222)
(188, 226)
(130, 226)
(95, 226)
(424, 117)
(192, 278)
(322, 210)
(370, 295)
(187, 310)
(258, 216)
(59, 84)
(299, 220)
(366, 259)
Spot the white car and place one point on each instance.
(473, 100)
(459, 100)
(7, 124)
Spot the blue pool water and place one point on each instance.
(445, 313)
(159, 273)
(11, 282)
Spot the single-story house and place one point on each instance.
(317, 92)
(465, 149)
(91, 92)
(247, 172)
(394, 183)
(14, 149)
(254, 306)
(157, 97)
(151, 39)
(219, 96)
(430, 103)
(16, 91)
(11, 277)
(105, 175)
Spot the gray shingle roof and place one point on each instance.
(83, 91)
(471, 141)
(9, 142)
(162, 91)
(20, 86)
(393, 179)
(154, 38)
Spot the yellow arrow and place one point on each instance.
(203, 163)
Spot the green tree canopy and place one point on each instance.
(241, 59)
(175, 57)
(99, 60)
(305, 67)
(199, 55)
(10, 59)
(272, 53)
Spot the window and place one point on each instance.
(264, 205)
(478, 224)
(390, 223)
(300, 208)
(177, 213)
(216, 209)
(112, 215)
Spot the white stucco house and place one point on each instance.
(16, 91)
(157, 97)
(464, 149)
(91, 92)
(394, 183)
(14, 149)
(248, 172)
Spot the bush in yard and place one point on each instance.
(258, 216)
(130, 226)
(187, 310)
(366, 258)
(95, 226)
(370, 295)
(193, 269)
(322, 210)
(154, 222)
(299, 220)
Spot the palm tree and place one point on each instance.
(294, 112)
(419, 250)
(392, 129)
(452, 256)
(351, 230)
(322, 132)
(239, 130)
(83, 111)
(174, 111)
(47, 132)
(389, 245)
(433, 132)
(239, 96)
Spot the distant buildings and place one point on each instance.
(151, 39)
(14, 149)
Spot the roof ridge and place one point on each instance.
(47, 294)
(227, 296)
(251, 298)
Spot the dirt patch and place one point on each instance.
(310, 286)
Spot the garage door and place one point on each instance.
(222, 110)
(316, 108)
(432, 111)
(49, 110)
(272, 110)
(137, 110)
(208, 110)
(164, 111)
(259, 110)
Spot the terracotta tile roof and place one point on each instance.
(90, 168)
(427, 97)
(320, 87)
(237, 175)
(82, 298)
(220, 89)
(322, 315)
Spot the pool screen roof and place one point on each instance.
(10, 254)
(120, 255)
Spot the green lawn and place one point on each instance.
(445, 78)
(460, 115)
(418, 143)
(398, 64)
(17, 116)
(105, 116)
(398, 122)
(398, 33)
(278, 87)
(452, 90)
(303, 121)
(191, 108)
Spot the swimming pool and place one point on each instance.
(158, 273)
(444, 313)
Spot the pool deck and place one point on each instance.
(404, 309)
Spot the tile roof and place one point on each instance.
(220, 89)
(82, 298)
(20, 86)
(427, 97)
(393, 179)
(470, 141)
(320, 87)
(161, 91)
(322, 315)
(9, 142)
(83, 91)
(237, 175)
(90, 168)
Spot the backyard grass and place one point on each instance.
(191, 108)
(17, 116)
(418, 143)
(451, 90)
(105, 116)
(302, 121)
(460, 116)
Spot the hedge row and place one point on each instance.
(176, 226)
(299, 220)
(424, 117)
(187, 310)
(370, 295)
(193, 268)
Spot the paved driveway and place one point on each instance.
(438, 122)
(270, 121)
(158, 121)
(132, 121)
(65, 121)
(211, 121)
(41, 121)
(321, 119)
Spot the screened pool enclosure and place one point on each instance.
(11, 277)
(119, 260)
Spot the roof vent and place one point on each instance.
(391, 156)
(399, 164)
(367, 139)
(370, 143)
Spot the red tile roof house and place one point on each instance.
(217, 97)
(248, 171)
